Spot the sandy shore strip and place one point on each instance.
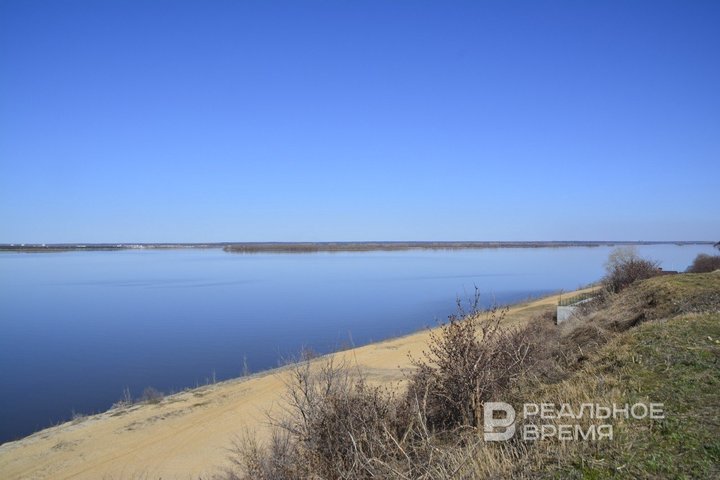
(188, 434)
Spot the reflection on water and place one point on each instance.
(78, 327)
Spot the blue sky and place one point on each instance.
(336, 120)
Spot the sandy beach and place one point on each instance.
(188, 434)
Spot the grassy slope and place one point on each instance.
(673, 360)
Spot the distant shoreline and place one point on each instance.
(310, 247)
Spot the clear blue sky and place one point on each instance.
(335, 120)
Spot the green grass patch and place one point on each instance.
(677, 363)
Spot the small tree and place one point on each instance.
(624, 266)
(704, 263)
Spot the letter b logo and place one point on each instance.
(508, 423)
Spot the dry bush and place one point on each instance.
(469, 360)
(151, 395)
(337, 418)
(625, 266)
(277, 460)
(334, 426)
(704, 263)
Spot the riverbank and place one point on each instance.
(187, 435)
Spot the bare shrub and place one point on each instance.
(334, 425)
(469, 360)
(337, 417)
(151, 395)
(126, 400)
(625, 266)
(276, 460)
(704, 263)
